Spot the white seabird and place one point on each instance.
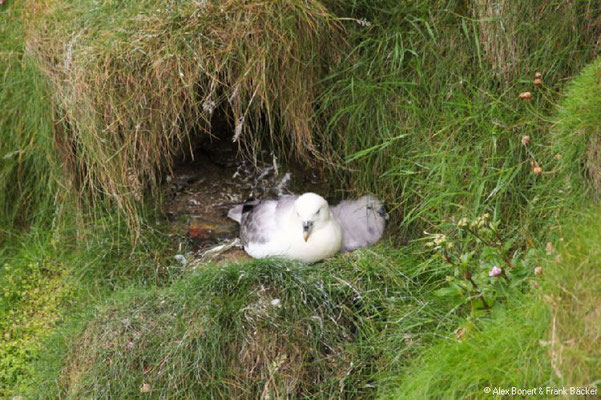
(293, 227)
(362, 221)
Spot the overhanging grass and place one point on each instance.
(134, 80)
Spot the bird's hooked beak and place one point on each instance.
(307, 229)
(383, 213)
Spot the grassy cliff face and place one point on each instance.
(415, 101)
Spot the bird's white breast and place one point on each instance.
(288, 242)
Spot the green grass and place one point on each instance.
(573, 284)
(48, 276)
(578, 133)
(546, 340)
(135, 83)
(425, 109)
(217, 334)
(35, 288)
(28, 166)
(504, 351)
(414, 101)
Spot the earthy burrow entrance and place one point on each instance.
(213, 177)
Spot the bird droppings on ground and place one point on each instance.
(202, 190)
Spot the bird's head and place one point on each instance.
(373, 206)
(312, 211)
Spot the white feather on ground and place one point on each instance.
(293, 227)
(362, 221)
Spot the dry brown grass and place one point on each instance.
(495, 22)
(592, 160)
(501, 23)
(133, 81)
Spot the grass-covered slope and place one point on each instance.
(547, 340)
(574, 297)
(578, 131)
(425, 109)
(46, 276)
(416, 101)
(262, 329)
(505, 352)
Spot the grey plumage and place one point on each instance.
(258, 218)
(297, 228)
(362, 221)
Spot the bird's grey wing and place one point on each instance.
(362, 222)
(259, 222)
(236, 212)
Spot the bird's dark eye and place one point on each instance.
(370, 208)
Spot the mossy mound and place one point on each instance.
(256, 330)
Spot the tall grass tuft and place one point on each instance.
(425, 110)
(133, 81)
(29, 168)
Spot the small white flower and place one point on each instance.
(275, 302)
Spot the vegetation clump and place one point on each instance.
(254, 330)
(134, 82)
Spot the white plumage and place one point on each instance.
(292, 227)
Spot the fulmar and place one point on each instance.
(293, 227)
(361, 222)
